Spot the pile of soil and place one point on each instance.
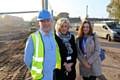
(12, 66)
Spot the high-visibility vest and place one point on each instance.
(38, 57)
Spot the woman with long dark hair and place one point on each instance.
(88, 52)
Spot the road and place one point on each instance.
(111, 66)
(112, 44)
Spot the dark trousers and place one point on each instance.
(89, 78)
(57, 75)
(69, 75)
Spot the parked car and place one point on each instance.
(108, 30)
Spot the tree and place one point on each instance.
(114, 9)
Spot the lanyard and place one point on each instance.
(84, 47)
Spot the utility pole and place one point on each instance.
(45, 4)
(86, 11)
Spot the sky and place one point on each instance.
(75, 8)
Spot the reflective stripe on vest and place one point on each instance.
(38, 57)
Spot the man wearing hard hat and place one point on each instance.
(41, 52)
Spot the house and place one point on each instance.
(97, 20)
(63, 15)
(75, 21)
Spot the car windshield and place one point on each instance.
(113, 25)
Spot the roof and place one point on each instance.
(101, 19)
(75, 20)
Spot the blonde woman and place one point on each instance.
(66, 43)
(88, 49)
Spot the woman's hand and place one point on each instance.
(87, 65)
(68, 66)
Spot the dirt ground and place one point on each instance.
(12, 66)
